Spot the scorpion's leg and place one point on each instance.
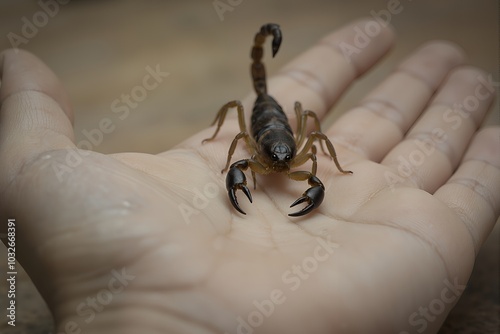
(331, 150)
(302, 158)
(236, 179)
(253, 175)
(221, 116)
(301, 116)
(234, 143)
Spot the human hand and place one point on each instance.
(140, 243)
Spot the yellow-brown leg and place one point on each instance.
(302, 116)
(221, 116)
(321, 136)
(301, 158)
(234, 143)
(219, 119)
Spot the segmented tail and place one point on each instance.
(257, 68)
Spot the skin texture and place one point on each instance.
(125, 243)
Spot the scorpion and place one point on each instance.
(273, 146)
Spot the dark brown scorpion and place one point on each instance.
(272, 144)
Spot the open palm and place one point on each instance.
(140, 243)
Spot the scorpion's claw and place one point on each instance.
(313, 196)
(234, 200)
(236, 180)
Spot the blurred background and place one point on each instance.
(102, 50)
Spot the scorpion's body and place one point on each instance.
(272, 133)
(272, 141)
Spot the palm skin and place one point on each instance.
(383, 245)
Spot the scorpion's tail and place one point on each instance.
(258, 70)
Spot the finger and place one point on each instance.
(385, 115)
(437, 141)
(34, 115)
(21, 71)
(317, 77)
(473, 191)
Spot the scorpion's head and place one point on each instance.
(280, 155)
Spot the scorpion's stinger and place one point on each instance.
(257, 69)
(275, 30)
(266, 30)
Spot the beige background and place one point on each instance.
(100, 50)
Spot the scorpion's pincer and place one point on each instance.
(235, 180)
(313, 196)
